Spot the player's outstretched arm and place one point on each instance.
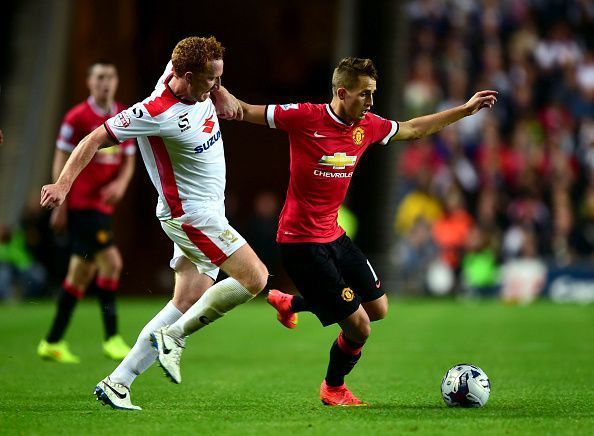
(429, 124)
(253, 113)
(53, 195)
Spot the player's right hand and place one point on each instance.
(52, 195)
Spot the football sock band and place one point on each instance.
(344, 355)
(142, 355)
(214, 303)
(106, 289)
(298, 304)
(69, 296)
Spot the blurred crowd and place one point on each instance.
(511, 189)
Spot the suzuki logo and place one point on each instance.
(208, 125)
(339, 161)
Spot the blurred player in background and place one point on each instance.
(335, 279)
(87, 215)
(180, 140)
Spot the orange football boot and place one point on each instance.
(282, 303)
(338, 396)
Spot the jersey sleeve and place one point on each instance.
(132, 123)
(288, 116)
(69, 134)
(383, 130)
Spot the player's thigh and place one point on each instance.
(190, 284)
(358, 272)
(376, 309)
(314, 270)
(80, 272)
(109, 262)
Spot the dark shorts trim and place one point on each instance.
(334, 278)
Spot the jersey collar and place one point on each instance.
(170, 91)
(336, 117)
(99, 110)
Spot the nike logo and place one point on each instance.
(118, 394)
(165, 349)
(317, 135)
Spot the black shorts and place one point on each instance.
(90, 231)
(334, 278)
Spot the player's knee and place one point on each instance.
(255, 281)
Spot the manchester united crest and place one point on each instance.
(347, 295)
(358, 135)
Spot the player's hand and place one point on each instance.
(1, 137)
(480, 100)
(227, 106)
(59, 218)
(53, 195)
(113, 192)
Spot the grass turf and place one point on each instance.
(248, 375)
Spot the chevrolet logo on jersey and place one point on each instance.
(339, 161)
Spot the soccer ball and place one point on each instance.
(465, 385)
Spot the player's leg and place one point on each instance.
(314, 268)
(247, 277)
(109, 267)
(209, 241)
(362, 278)
(79, 275)
(189, 286)
(344, 355)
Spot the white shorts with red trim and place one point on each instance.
(207, 240)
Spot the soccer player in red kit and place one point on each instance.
(333, 276)
(87, 214)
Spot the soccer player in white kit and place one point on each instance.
(180, 141)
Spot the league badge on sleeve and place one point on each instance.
(122, 120)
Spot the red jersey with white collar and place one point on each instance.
(324, 152)
(81, 120)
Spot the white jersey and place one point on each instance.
(182, 148)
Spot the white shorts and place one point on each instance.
(207, 240)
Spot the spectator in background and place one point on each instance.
(419, 203)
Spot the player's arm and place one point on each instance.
(53, 195)
(253, 113)
(429, 124)
(58, 219)
(113, 192)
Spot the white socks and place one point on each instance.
(214, 303)
(142, 355)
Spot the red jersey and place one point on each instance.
(324, 152)
(81, 120)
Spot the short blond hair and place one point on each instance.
(347, 72)
(193, 53)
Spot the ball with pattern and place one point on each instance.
(465, 385)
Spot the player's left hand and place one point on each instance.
(112, 193)
(480, 100)
(227, 106)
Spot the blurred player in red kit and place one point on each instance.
(87, 215)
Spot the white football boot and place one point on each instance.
(114, 394)
(170, 350)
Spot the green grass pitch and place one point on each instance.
(247, 374)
